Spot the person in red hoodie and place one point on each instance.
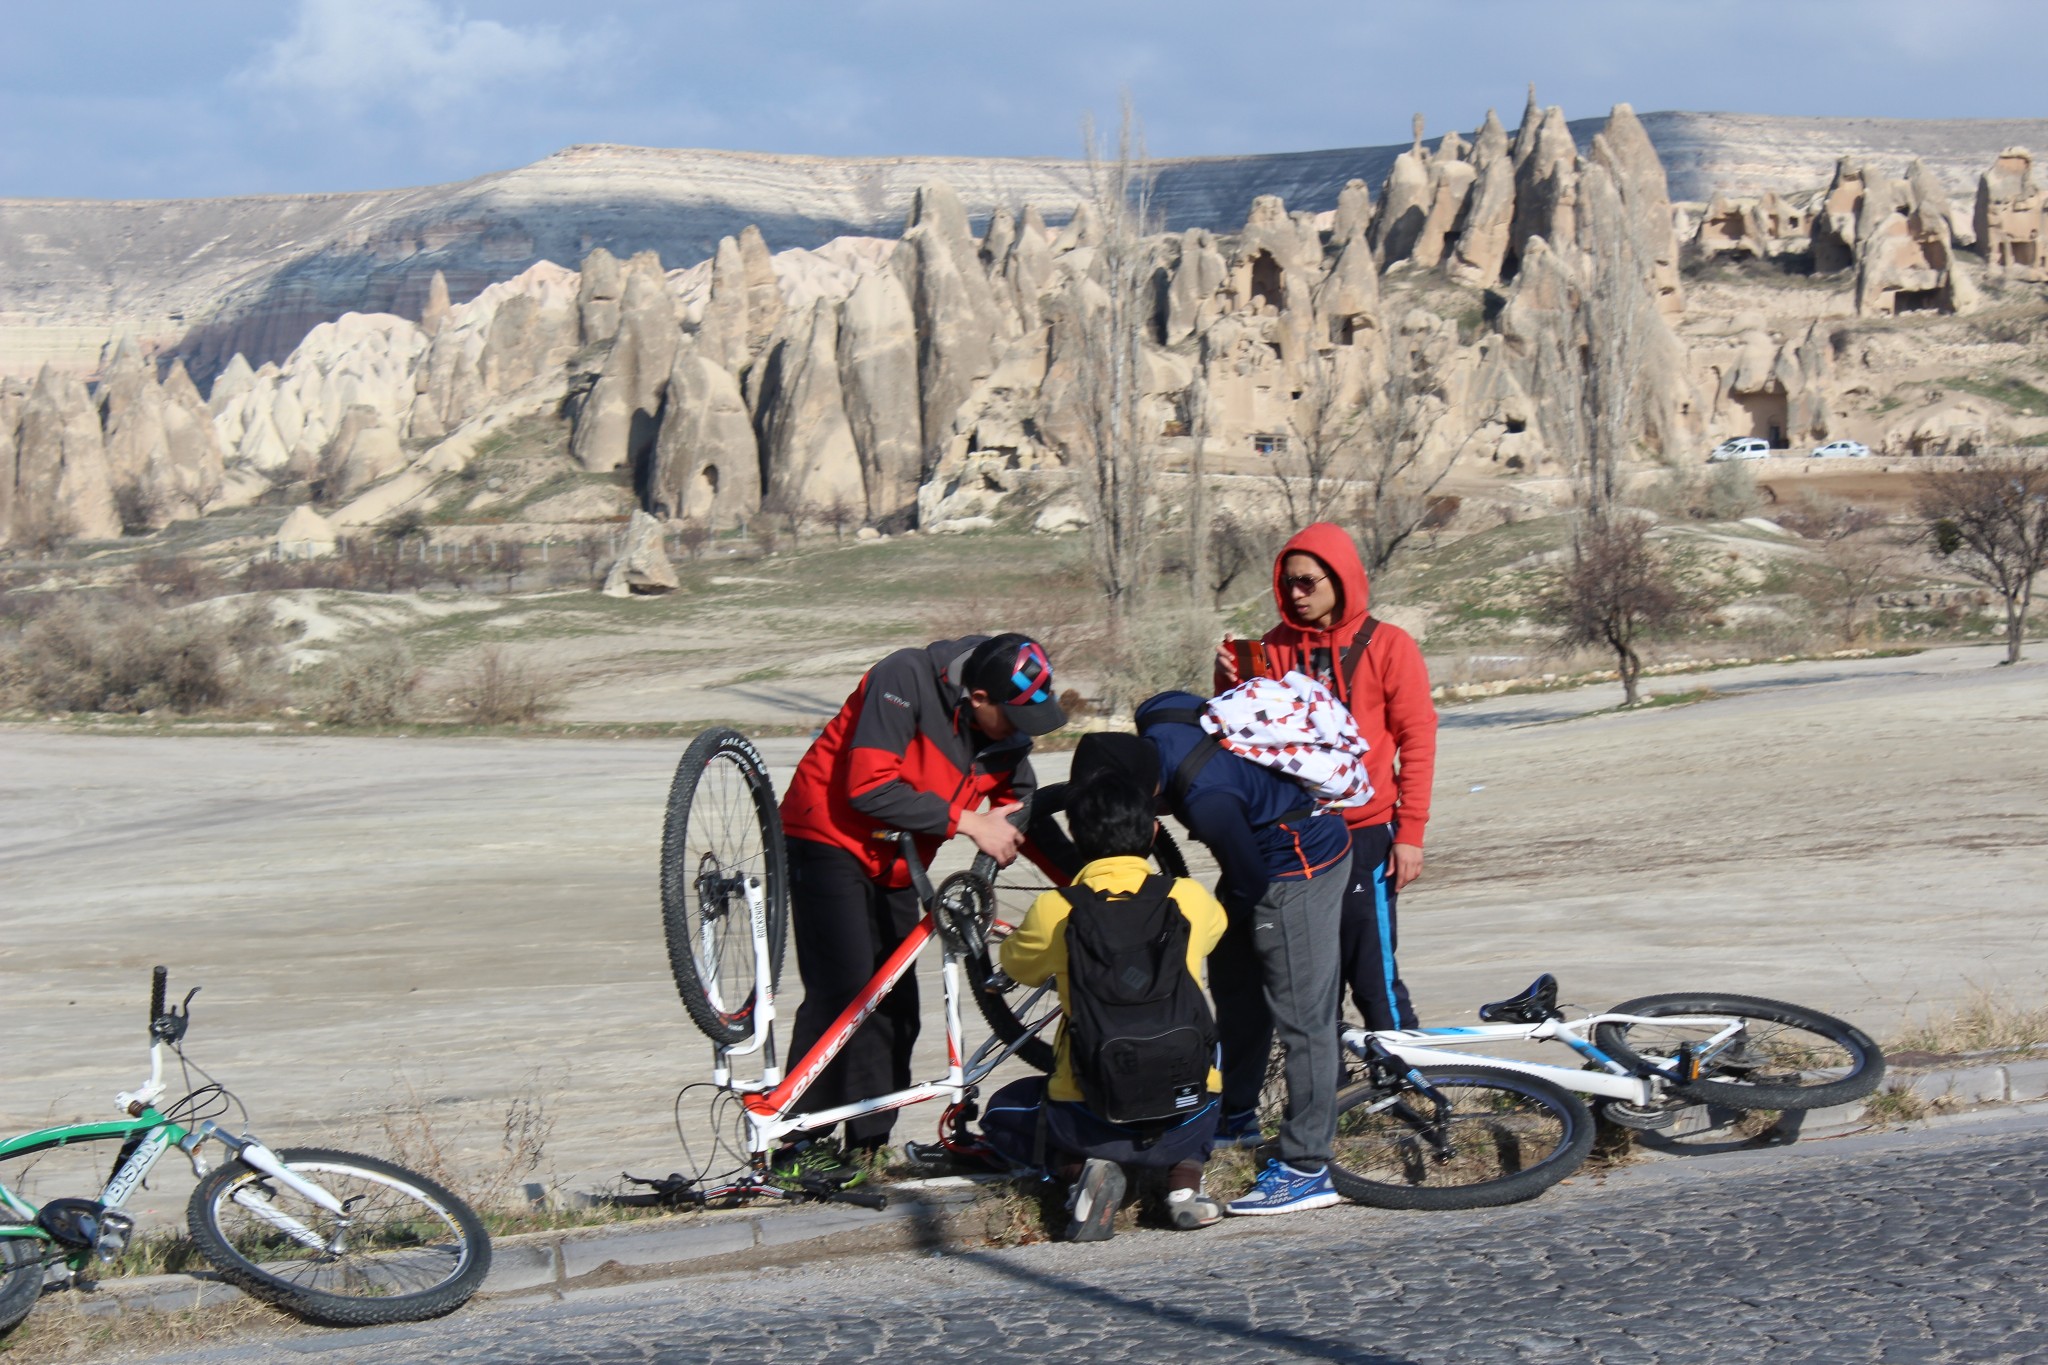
(1376, 669)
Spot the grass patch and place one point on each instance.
(2016, 394)
(1662, 699)
(1988, 1021)
(59, 1329)
(1896, 1104)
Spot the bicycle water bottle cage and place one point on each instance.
(1532, 1006)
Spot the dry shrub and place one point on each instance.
(1167, 649)
(415, 1139)
(130, 654)
(372, 685)
(177, 579)
(1986, 1022)
(502, 689)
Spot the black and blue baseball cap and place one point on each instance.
(1013, 670)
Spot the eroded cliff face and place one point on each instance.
(924, 375)
(203, 280)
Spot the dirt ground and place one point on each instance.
(453, 925)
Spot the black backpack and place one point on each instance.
(1139, 1031)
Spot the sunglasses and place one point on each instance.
(1303, 582)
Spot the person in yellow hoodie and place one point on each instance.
(1112, 823)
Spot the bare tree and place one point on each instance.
(1406, 456)
(596, 548)
(1328, 429)
(1616, 588)
(1990, 520)
(1199, 534)
(509, 559)
(839, 514)
(694, 535)
(1232, 548)
(1856, 554)
(1100, 330)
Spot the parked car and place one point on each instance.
(1853, 449)
(1741, 448)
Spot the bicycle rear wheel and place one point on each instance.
(722, 828)
(21, 1278)
(1787, 1056)
(406, 1250)
(1016, 886)
(1505, 1137)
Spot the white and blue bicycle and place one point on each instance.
(1425, 1122)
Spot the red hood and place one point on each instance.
(1329, 543)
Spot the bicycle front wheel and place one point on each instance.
(1016, 886)
(722, 828)
(404, 1250)
(1504, 1137)
(1786, 1056)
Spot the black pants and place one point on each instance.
(1366, 933)
(846, 925)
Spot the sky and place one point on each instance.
(146, 99)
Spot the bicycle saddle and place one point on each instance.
(1532, 1006)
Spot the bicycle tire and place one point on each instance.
(1512, 1137)
(722, 824)
(1016, 886)
(426, 1252)
(1846, 1064)
(21, 1279)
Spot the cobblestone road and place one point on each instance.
(1929, 1249)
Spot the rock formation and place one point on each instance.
(305, 535)
(2012, 218)
(707, 464)
(62, 484)
(642, 569)
(1905, 249)
(808, 455)
(598, 290)
(958, 324)
(1624, 149)
(617, 421)
(1482, 243)
(932, 375)
(1834, 222)
(878, 376)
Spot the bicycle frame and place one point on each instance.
(1611, 1080)
(767, 1101)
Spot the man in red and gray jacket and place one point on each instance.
(1376, 669)
(929, 738)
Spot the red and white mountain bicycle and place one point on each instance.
(725, 910)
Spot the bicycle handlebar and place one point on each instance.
(157, 980)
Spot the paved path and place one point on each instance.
(1923, 1247)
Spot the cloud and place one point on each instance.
(418, 54)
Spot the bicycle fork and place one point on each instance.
(762, 1039)
(255, 1155)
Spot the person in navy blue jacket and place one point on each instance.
(1276, 970)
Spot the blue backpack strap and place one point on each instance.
(1206, 748)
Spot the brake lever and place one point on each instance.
(169, 1027)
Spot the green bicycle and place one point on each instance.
(335, 1238)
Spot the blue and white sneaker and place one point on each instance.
(1283, 1189)
(1239, 1129)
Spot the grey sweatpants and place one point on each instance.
(1276, 972)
